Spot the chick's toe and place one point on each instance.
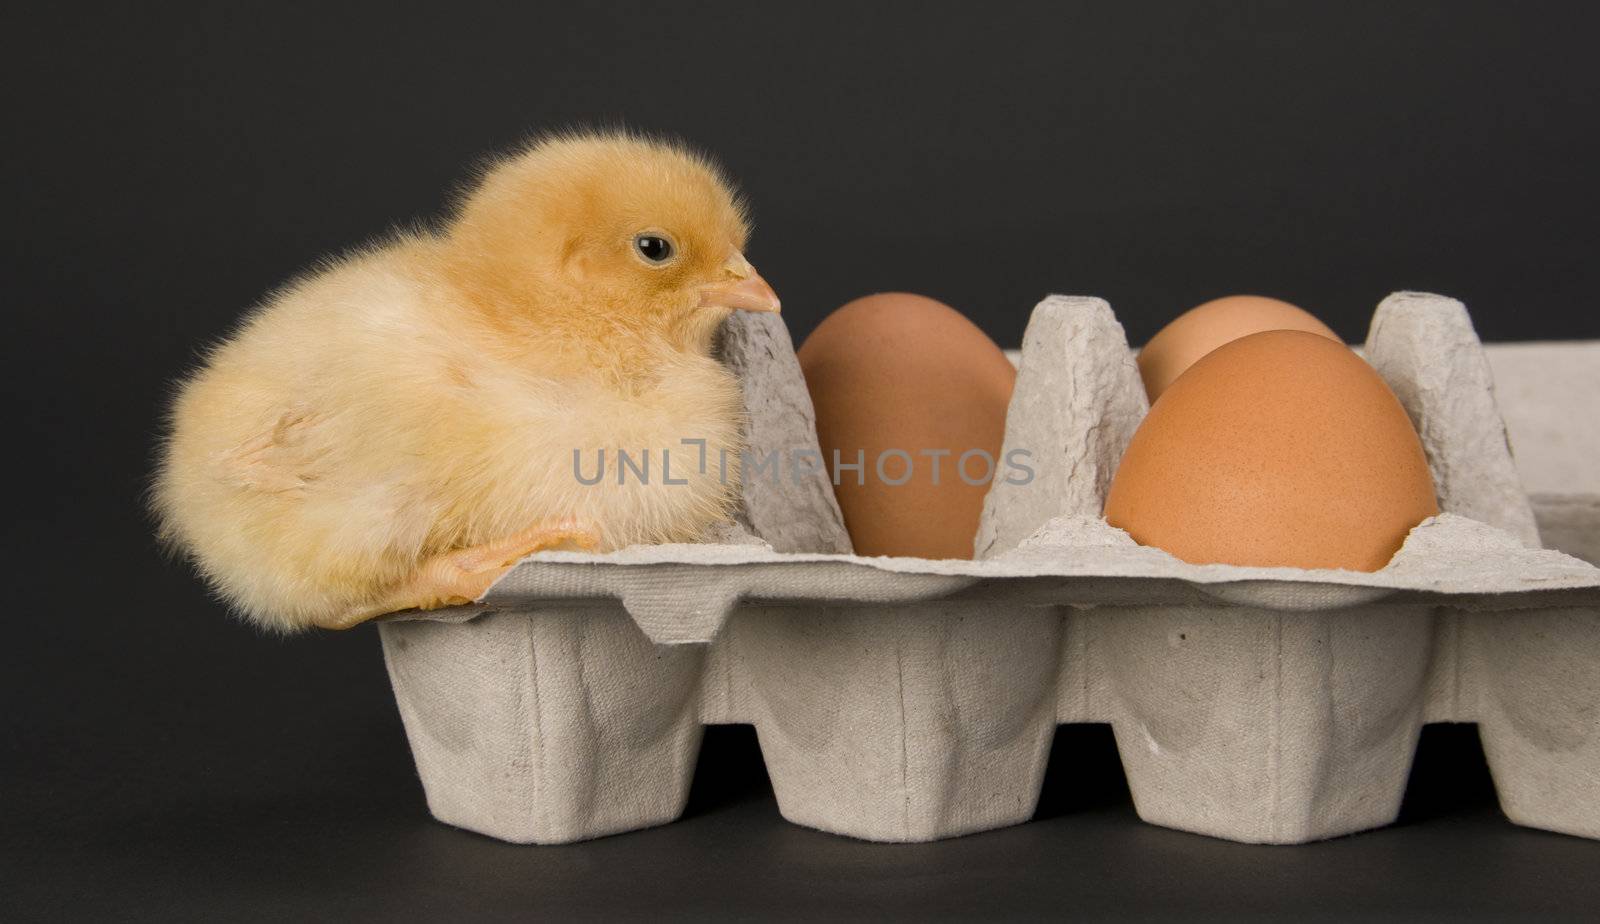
(461, 576)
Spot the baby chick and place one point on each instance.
(399, 428)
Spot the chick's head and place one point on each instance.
(609, 236)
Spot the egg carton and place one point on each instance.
(900, 699)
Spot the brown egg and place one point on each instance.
(1200, 330)
(1281, 448)
(905, 385)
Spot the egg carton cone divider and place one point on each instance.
(908, 700)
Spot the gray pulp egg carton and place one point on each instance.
(901, 699)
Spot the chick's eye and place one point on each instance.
(653, 247)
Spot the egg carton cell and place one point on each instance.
(900, 699)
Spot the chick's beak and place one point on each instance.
(742, 289)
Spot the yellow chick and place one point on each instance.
(397, 429)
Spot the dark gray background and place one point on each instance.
(165, 167)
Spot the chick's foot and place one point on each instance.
(463, 575)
